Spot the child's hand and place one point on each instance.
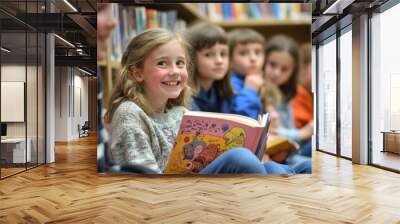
(273, 127)
(307, 131)
(265, 158)
(280, 157)
(254, 81)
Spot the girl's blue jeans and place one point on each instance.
(243, 161)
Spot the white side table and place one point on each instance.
(391, 141)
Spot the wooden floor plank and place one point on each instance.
(70, 191)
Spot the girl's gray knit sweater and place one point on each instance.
(141, 139)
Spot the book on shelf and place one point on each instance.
(151, 18)
(135, 19)
(214, 11)
(140, 21)
(115, 38)
(203, 136)
(227, 11)
(254, 11)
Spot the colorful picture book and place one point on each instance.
(203, 136)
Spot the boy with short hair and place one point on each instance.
(247, 59)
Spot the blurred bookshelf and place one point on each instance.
(236, 12)
(292, 19)
(261, 22)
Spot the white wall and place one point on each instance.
(61, 103)
(12, 101)
(13, 73)
(80, 118)
(34, 124)
(69, 85)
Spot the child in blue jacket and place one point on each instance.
(247, 59)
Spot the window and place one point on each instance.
(346, 93)
(385, 86)
(23, 86)
(327, 96)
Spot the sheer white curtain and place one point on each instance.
(327, 96)
(346, 93)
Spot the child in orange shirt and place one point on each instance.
(302, 103)
(281, 72)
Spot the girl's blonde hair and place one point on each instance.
(135, 54)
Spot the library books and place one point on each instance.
(243, 11)
(135, 19)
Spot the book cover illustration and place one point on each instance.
(276, 144)
(201, 140)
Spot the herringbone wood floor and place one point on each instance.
(70, 191)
